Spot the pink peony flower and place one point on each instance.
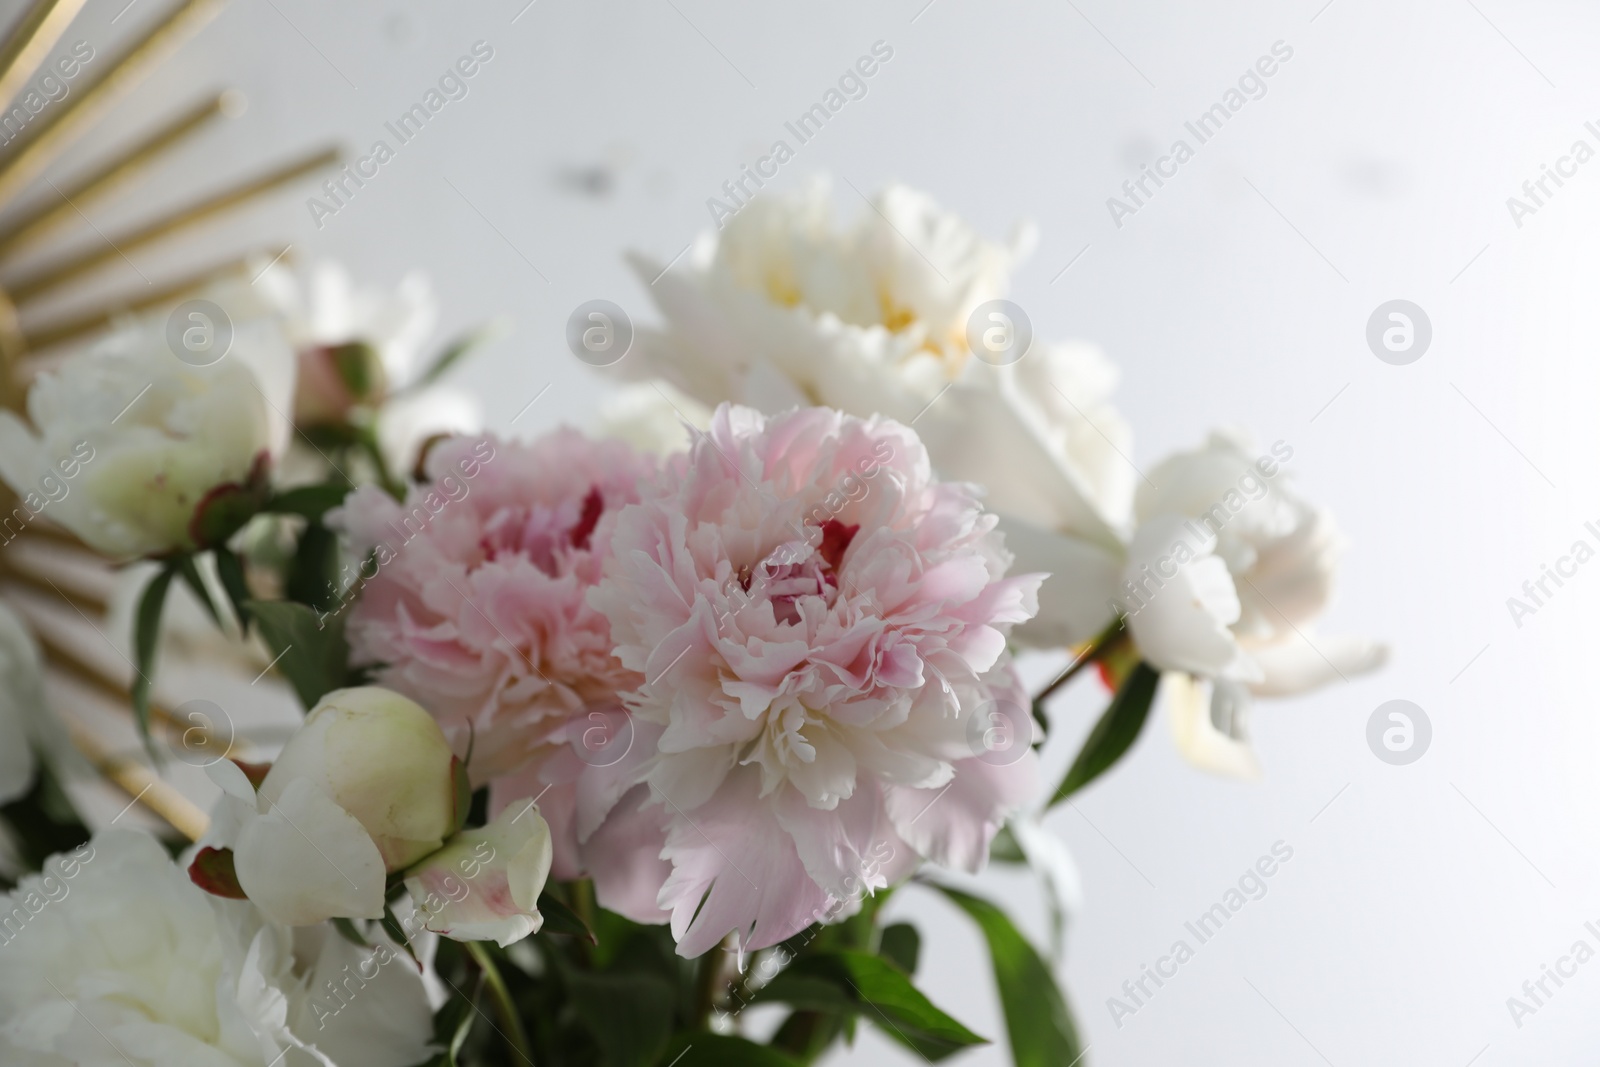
(473, 603)
(820, 630)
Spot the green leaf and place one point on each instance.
(1004, 848)
(1038, 1022)
(309, 501)
(717, 1050)
(197, 586)
(630, 1015)
(452, 1024)
(560, 919)
(146, 636)
(231, 572)
(453, 352)
(857, 982)
(314, 570)
(901, 944)
(359, 366)
(311, 649)
(1116, 731)
(347, 930)
(397, 933)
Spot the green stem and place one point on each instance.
(516, 1036)
(1097, 647)
(705, 987)
(368, 439)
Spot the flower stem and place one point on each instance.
(705, 987)
(516, 1036)
(1096, 647)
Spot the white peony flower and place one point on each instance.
(782, 309)
(111, 957)
(128, 441)
(366, 786)
(485, 884)
(1220, 582)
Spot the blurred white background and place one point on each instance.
(1377, 166)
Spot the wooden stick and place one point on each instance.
(58, 126)
(24, 49)
(115, 247)
(141, 783)
(62, 330)
(62, 205)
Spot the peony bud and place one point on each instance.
(129, 444)
(368, 785)
(485, 884)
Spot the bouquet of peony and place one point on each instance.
(613, 746)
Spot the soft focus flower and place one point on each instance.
(111, 957)
(1220, 583)
(485, 884)
(474, 604)
(819, 625)
(364, 787)
(361, 347)
(128, 441)
(782, 308)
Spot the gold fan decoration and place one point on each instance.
(58, 585)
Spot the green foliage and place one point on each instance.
(310, 502)
(901, 945)
(1038, 1024)
(146, 638)
(42, 821)
(311, 648)
(852, 982)
(630, 1014)
(717, 1050)
(1116, 731)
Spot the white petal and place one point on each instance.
(306, 859)
(1189, 704)
(1078, 598)
(1303, 662)
(1181, 615)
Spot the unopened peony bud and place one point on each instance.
(485, 885)
(127, 445)
(367, 786)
